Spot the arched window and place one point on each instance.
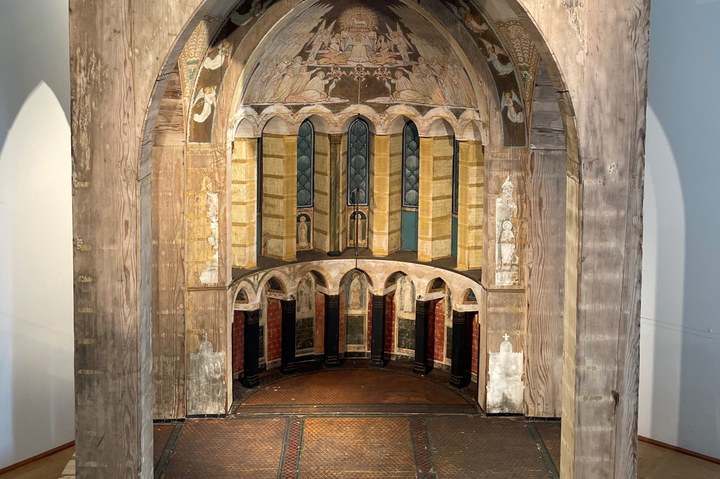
(411, 166)
(410, 187)
(305, 164)
(358, 163)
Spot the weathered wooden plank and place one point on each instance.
(169, 277)
(546, 278)
(106, 268)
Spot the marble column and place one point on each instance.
(251, 349)
(332, 330)
(460, 367)
(422, 308)
(287, 339)
(377, 344)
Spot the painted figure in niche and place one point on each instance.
(304, 304)
(493, 57)
(358, 226)
(204, 104)
(303, 232)
(406, 295)
(509, 101)
(216, 56)
(508, 259)
(355, 296)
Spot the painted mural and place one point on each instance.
(375, 52)
(509, 91)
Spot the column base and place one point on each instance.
(377, 362)
(332, 361)
(288, 368)
(420, 368)
(251, 381)
(458, 381)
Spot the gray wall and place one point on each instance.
(680, 329)
(36, 339)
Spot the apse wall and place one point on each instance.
(680, 328)
(36, 310)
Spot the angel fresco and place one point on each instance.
(514, 113)
(216, 56)
(493, 52)
(257, 8)
(397, 39)
(462, 12)
(205, 102)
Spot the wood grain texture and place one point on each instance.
(546, 278)
(168, 322)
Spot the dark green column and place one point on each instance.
(422, 309)
(460, 367)
(251, 349)
(287, 339)
(377, 343)
(332, 330)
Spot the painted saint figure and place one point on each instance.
(507, 246)
(303, 233)
(509, 101)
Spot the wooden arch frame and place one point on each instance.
(597, 57)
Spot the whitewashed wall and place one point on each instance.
(36, 338)
(680, 329)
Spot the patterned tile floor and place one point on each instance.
(350, 423)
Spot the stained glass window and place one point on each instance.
(305, 156)
(411, 166)
(358, 167)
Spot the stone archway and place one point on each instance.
(597, 56)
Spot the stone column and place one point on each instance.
(334, 221)
(332, 330)
(470, 205)
(287, 357)
(251, 349)
(279, 186)
(435, 208)
(460, 368)
(422, 308)
(244, 202)
(377, 345)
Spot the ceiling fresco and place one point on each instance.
(376, 53)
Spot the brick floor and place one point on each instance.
(344, 440)
(475, 446)
(227, 448)
(353, 386)
(356, 448)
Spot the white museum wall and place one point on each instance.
(36, 305)
(680, 325)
